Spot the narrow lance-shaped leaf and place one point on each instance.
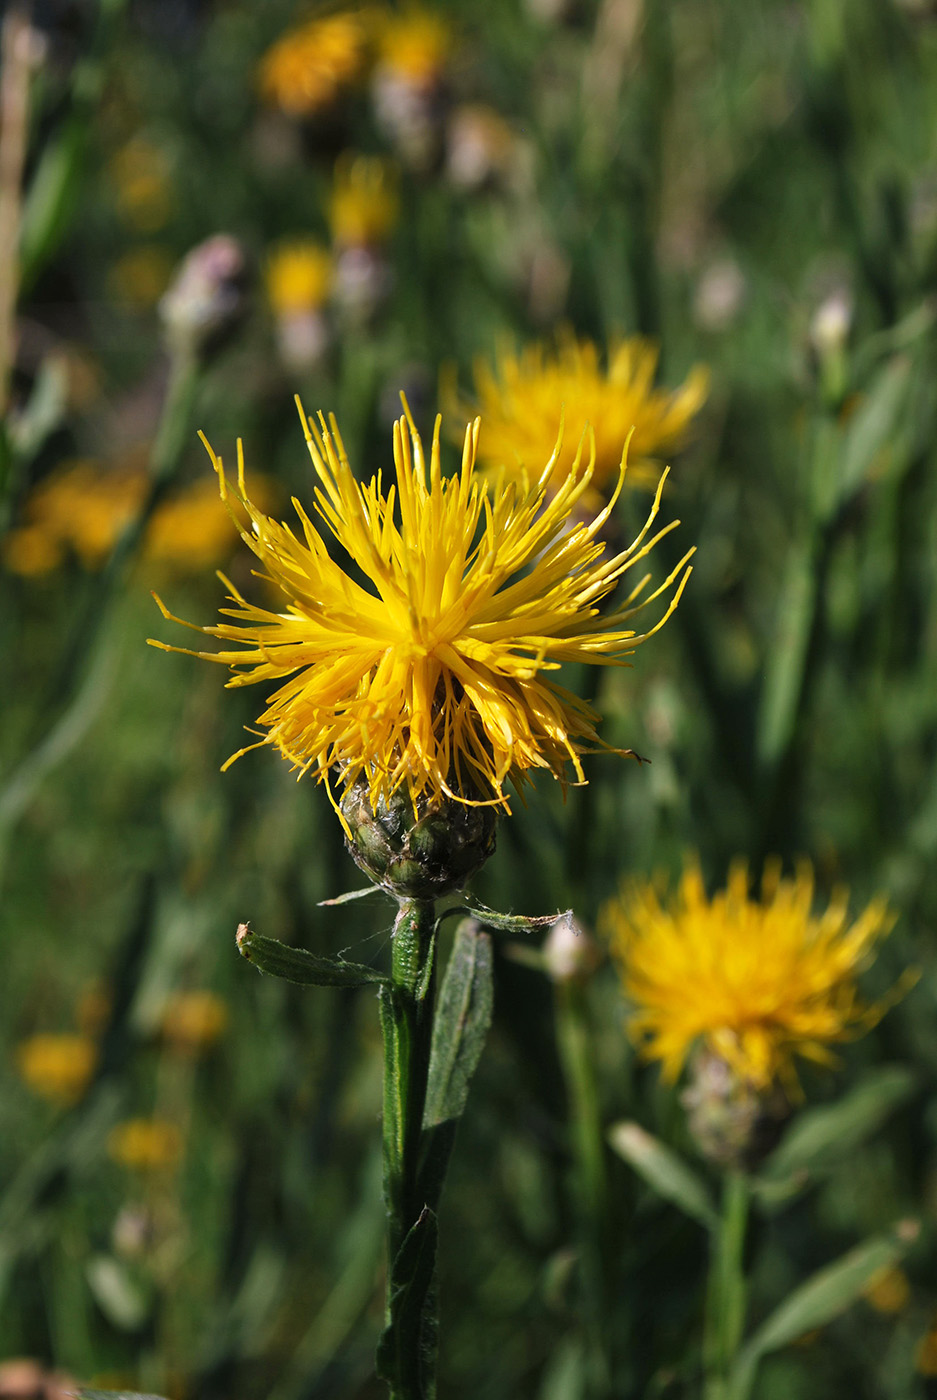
(406, 1352)
(115, 1395)
(825, 1134)
(463, 1016)
(665, 1172)
(828, 1293)
(296, 965)
(504, 923)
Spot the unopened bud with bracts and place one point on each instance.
(733, 1121)
(207, 296)
(421, 855)
(568, 953)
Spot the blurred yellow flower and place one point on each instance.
(57, 1067)
(193, 1021)
(139, 277)
(299, 276)
(363, 207)
(140, 173)
(306, 70)
(520, 400)
(191, 531)
(889, 1290)
(925, 1357)
(757, 981)
(414, 44)
(437, 672)
(145, 1144)
(83, 508)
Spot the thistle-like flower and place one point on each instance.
(426, 664)
(753, 983)
(308, 68)
(519, 398)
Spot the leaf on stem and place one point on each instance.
(407, 1348)
(504, 923)
(665, 1171)
(461, 1024)
(823, 1297)
(296, 965)
(822, 1136)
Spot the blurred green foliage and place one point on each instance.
(755, 186)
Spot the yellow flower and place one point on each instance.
(57, 1067)
(925, 1356)
(82, 507)
(141, 175)
(299, 276)
(414, 45)
(305, 71)
(363, 208)
(757, 981)
(888, 1291)
(190, 531)
(85, 506)
(437, 672)
(193, 1021)
(145, 1144)
(519, 402)
(140, 276)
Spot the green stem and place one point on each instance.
(725, 1302)
(589, 1173)
(408, 1344)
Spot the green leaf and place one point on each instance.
(115, 1395)
(821, 1136)
(352, 895)
(463, 1016)
(296, 965)
(873, 425)
(407, 1349)
(504, 923)
(120, 1298)
(823, 1297)
(665, 1171)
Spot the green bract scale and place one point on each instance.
(421, 857)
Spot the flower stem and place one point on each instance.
(589, 1174)
(407, 1349)
(725, 1302)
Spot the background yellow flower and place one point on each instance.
(521, 397)
(758, 981)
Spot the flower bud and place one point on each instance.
(734, 1123)
(417, 856)
(569, 954)
(206, 298)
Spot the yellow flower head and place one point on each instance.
(145, 1144)
(363, 207)
(141, 175)
(140, 276)
(84, 507)
(437, 671)
(758, 981)
(190, 530)
(193, 1021)
(81, 507)
(57, 1067)
(415, 45)
(299, 277)
(305, 71)
(519, 400)
(888, 1291)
